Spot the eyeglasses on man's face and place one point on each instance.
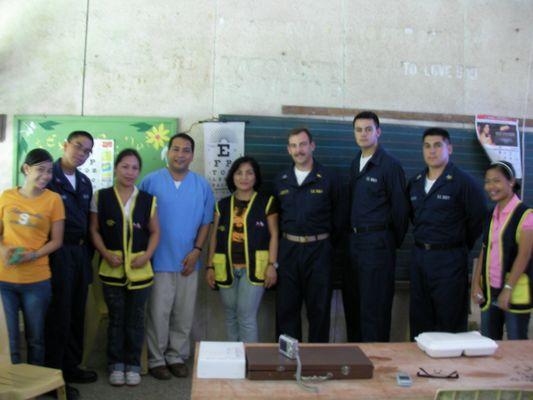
(79, 147)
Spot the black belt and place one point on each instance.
(373, 228)
(74, 241)
(438, 246)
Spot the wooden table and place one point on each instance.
(510, 367)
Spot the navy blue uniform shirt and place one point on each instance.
(312, 208)
(452, 211)
(378, 194)
(77, 202)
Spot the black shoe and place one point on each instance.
(71, 392)
(80, 376)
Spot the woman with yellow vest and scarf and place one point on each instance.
(243, 249)
(503, 280)
(125, 231)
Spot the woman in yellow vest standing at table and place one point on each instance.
(125, 231)
(32, 220)
(243, 250)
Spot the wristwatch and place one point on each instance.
(274, 264)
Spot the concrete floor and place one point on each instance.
(149, 388)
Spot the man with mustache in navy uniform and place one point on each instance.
(309, 197)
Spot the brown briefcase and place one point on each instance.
(336, 362)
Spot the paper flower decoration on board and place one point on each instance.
(157, 136)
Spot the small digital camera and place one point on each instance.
(288, 346)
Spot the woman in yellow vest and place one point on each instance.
(502, 283)
(243, 249)
(125, 231)
(32, 220)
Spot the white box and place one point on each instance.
(443, 344)
(221, 360)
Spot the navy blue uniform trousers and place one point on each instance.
(439, 290)
(64, 330)
(369, 286)
(304, 274)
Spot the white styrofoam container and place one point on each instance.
(443, 344)
(221, 360)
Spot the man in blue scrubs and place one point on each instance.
(379, 217)
(448, 208)
(185, 207)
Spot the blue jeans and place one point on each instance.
(494, 318)
(125, 332)
(33, 300)
(241, 302)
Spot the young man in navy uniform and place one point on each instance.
(309, 197)
(447, 210)
(70, 265)
(379, 211)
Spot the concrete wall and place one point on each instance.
(196, 59)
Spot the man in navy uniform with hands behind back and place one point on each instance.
(447, 210)
(379, 212)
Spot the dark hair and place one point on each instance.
(75, 134)
(437, 132)
(235, 166)
(181, 135)
(297, 131)
(507, 169)
(367, 115)
(36, 156)
(129, 152)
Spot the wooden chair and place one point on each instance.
(24, 381)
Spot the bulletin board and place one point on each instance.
(149, 136)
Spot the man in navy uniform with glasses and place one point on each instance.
(71, 265)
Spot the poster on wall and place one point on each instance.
(500, 139)
(99, 166)
(223, 144)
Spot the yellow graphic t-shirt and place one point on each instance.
(27, 223)
(237, 239)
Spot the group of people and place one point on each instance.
(150, 238)
(148, 241)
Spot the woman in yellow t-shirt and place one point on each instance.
(31, 227)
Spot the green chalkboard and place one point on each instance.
(149, 136)
(266, 140)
